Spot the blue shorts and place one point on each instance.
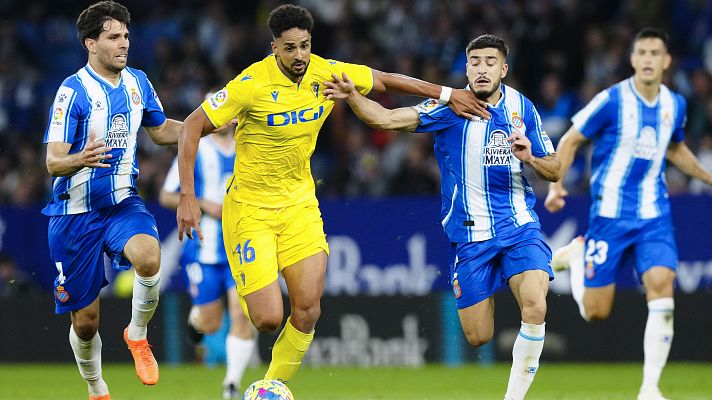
(612, 244)
(479, 269)
(208, 282)
(77, 243)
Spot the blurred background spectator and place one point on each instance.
(562, 53)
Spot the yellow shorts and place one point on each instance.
(260, 241)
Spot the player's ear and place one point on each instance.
(505, 69)
(274, 47)
(667, 61)
(90, 44)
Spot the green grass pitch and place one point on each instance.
(187, 382)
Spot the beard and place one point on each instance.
(486, 94)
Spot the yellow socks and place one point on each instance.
(288, 352)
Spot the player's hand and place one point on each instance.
(229, 127)
(339, 88)
(521, 147)
(555, 200)
(94, 152)
(464, 103)
(188, 217)
(211, 208)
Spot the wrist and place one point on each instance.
(445, 93)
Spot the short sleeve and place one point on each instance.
(64, 116)
(153, 114)
(678, 133)
(434, 117)
(230, 101)
(541, 144)
(595, 116)
(361, 75)
(172, 182)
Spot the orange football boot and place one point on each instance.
(146, 365)
(99, 397)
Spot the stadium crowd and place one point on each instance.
(562, 53)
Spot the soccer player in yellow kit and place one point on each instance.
(271, 219)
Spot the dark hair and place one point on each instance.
(91, 21)
(288, 16)
(488, 41)
(652, 33)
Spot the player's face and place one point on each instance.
(111, 49)
(650, 59)
(293, 50)
(485, 70)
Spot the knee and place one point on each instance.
(477, 338)
(267, 323)
(305, 316)
(86, 326)
(597, 313)
(534, 311)
(660, 285)
(210, 325)
(148, 265)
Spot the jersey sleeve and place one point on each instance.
(172, 182)
(153, 114)
(591, 119)
(434, 117)
(230, 101)
(64, 116)
(678, 133)
(541, 144)
(361, 75)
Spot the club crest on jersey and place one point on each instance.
(497, 151)
(315, 88)
(427, 105)
(117, 136)
(456, 289)
(517, 121)
(135, 97)
(218, 99)
(61, 294)
(646, 146)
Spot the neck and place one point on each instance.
(293, 78)
(111, 76)
(495, 97)
(649, 91)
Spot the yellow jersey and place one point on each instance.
(278, 123)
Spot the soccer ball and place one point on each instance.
(268, 389)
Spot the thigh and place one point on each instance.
(474, 272)
(76, 251)
(204, 282)
(131, 236)
(655, 247)
(607, 249)
(530, 286)
(305, 280)
(302, 235)
(477, 320)
(250, 245)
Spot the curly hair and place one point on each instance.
(488, 41)
(91, 21)
(288, 16)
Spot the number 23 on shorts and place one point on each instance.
(245, 253)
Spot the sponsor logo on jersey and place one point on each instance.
(647, 145)
(246, 78)
(218, 99)
(275, 94)
(117, 136)
(61, 98)
(61, 294)
(58, 115)
(135, 97)
(295, 117)
(497, 151)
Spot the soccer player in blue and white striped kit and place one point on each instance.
(95, 208)
(635, 125)
(487, 203)
(205, 263)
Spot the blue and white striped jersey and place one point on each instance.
(87, 102)
(213, 168)
(483, 190)
(631, 137)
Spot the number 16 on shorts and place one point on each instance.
(245, 252)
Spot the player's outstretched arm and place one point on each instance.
(166, 133)
(683, 158)
(188, 210)
(565, 151)
(463, 102)
(61, 163)
(369, 111)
